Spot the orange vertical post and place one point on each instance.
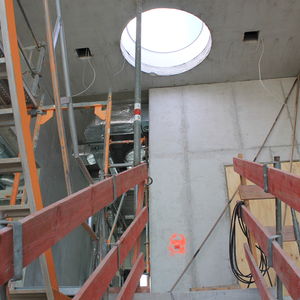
(20, 111)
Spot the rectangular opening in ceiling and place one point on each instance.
(251, 36)
(83, 52)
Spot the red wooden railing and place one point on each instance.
(43, 229)
(286, 187)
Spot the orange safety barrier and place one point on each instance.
(43, 229)
(285, 186)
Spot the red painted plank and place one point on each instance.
(98, 282)
(133, 279)
(259, 279)
(251, 170)
(283, 265)
(43, 229)
(283, 185)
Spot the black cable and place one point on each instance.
(263, 263)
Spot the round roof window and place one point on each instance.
(173, 41)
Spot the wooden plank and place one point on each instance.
(258, 278)
(43, 229)
(216, 288)
(253, 192)
(283, 185)
(132, 281)
(98, 282)
(283, 265)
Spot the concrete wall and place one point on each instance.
(71, 254)
(194, 132)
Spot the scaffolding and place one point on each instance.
(31, 105)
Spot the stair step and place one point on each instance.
(6, 116)
(14, 211)
(10, 165)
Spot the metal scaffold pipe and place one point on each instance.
(138, 82)
(67, 81)
(56, 96)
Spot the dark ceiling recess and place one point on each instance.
(83, 52)
(251, 36)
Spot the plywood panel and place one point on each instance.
(264, 210)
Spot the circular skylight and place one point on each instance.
(173, 41)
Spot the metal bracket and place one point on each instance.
(266, 182)
(114, 188)
(118, 253)
(271, 239)
(17, 248)
(64, 100)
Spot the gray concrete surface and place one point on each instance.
(72, 253)
(249, 294)
(194, 132)
(99, 25)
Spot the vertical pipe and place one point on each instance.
(138, 90)
(67, 81)
(56, 94)
(279, 288)
(107, 134)
(3, 288)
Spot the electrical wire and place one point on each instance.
(263, 264)
(92, 82)
(122, 68)
(275, 96)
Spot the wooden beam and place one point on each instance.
(258, 278)
(133, 279)
(43, 229)
(283, 265)
(97, 284)
(283, 185)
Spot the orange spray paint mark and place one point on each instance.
(177, 244)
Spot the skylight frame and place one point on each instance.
(162, 63)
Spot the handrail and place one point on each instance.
(98, 282)
(286, 187)
(283, 265)
(281, 184)
(43, 229)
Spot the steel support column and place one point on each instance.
(138, 89)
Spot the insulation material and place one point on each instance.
(122, 118)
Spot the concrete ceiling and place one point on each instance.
(99, 24)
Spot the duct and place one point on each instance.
(122, 119)
(7, 180)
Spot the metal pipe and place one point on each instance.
(28, 24)
(56, 94)
(279, 288)
(138, 81)
(64, 55)
(116, 219)
(120, 165)
(107, 134)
